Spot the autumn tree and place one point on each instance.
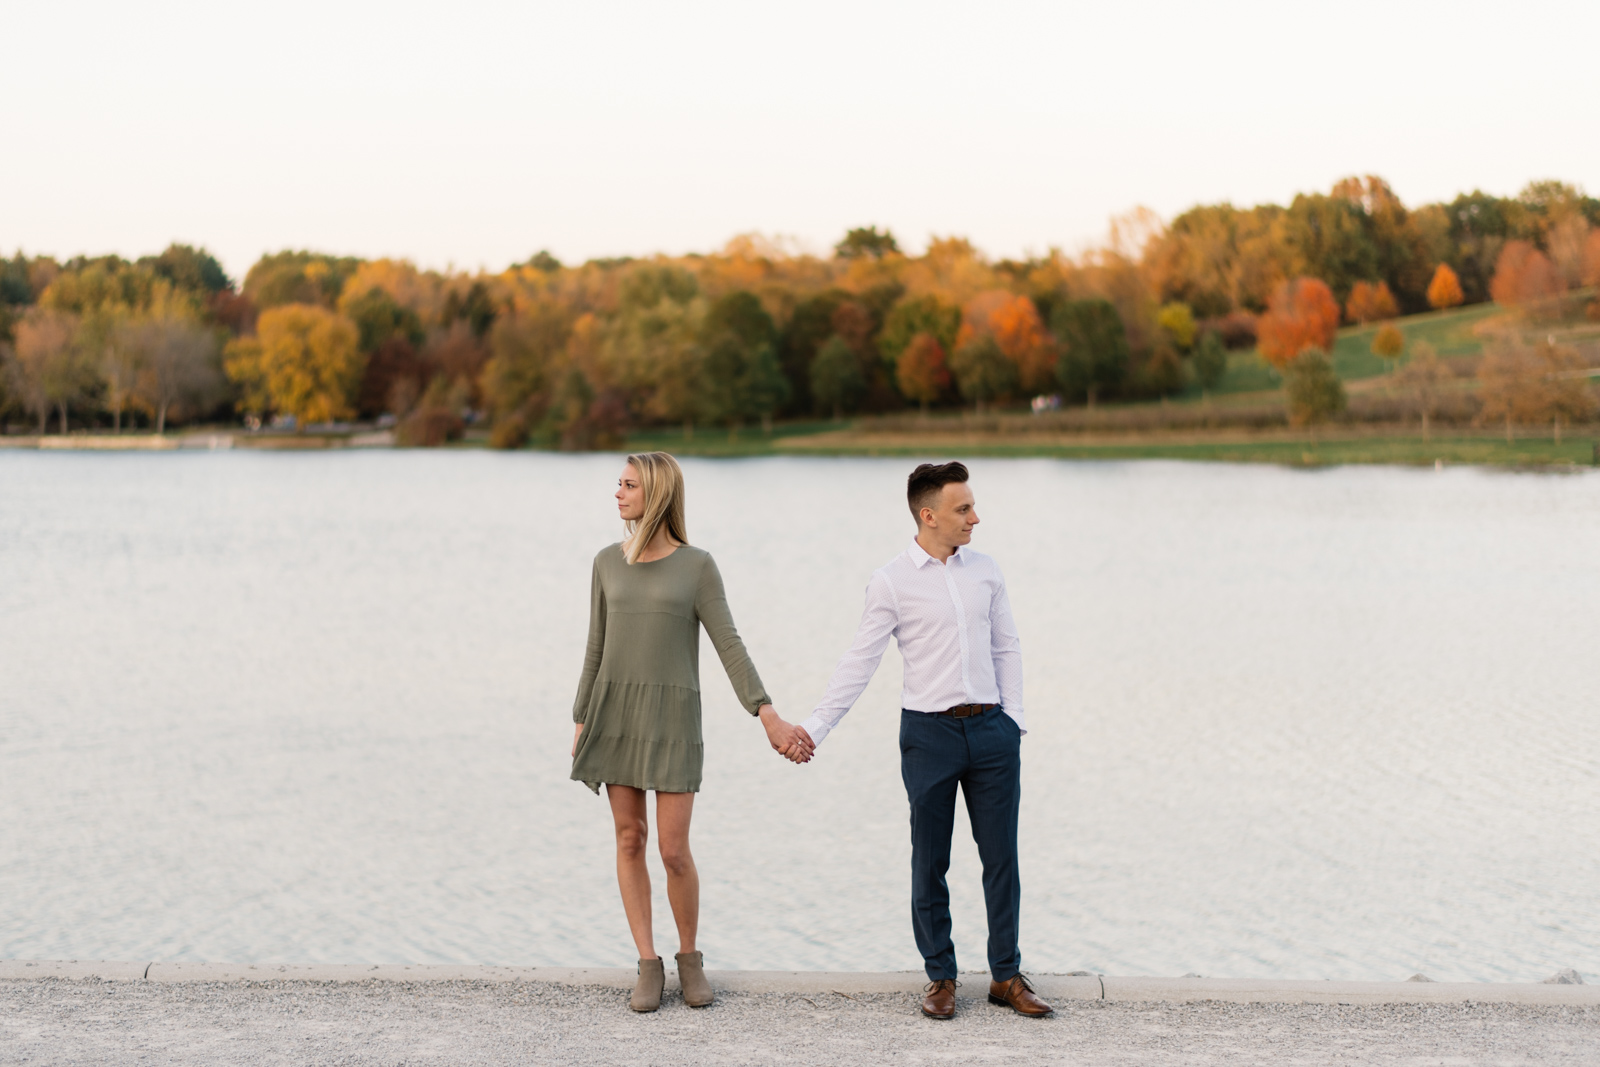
(1388, 343)
(525, 353)
(1177, 323)
(1093, 347)
(1210, 360)
(1528, 384)
(1312, 392)
(982, 371)
(1301, 314)
(1423, 380)
(922, 371)
(304, 361)
(1524, 277)
(866, 241)
(177, 365)
(1370, 303)
(837, 383)
(915, 315)
(44, 367)
(298, 278)
(1445, 289)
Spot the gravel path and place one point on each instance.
(59, 1021)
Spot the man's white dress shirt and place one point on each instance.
(957, 638)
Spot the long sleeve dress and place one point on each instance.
(639, 697)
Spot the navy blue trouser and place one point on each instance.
(982, 754)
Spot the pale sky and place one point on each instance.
(476, 133)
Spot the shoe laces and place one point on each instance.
(933, 986)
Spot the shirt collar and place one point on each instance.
(919, 555)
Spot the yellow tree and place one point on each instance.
(1388, 344)
(304, 361)
(1445, 289)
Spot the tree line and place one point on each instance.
(574, 355)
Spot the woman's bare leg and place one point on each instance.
(673, 812)
(629, 813)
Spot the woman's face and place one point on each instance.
(630, 494)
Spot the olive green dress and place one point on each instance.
(639, 697)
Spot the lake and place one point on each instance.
(317, 708)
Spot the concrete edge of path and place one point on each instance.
(841, 983)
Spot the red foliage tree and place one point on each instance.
(1300, 314)
(1371, 303)
(922, 371)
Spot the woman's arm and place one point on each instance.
(592, 653)
(711, 605)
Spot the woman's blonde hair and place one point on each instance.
(662, 481)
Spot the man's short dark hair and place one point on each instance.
(922, 488)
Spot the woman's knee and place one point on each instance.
(631, 840)
(676, 857)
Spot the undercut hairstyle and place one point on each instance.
(661, 479)
(923, 487)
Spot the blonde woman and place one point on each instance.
(637, 716)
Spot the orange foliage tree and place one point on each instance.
(1445, 289)
(1523, 276)
(922, 371)
(1371, 303)
(1014, 323)
(1301, 314)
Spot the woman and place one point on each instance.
(637, 714)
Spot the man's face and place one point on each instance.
(953, 515)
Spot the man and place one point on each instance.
(961, 724)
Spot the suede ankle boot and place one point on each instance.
(692, 976)
(647, 991)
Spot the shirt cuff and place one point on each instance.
(816, 729)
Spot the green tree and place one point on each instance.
(809, 326)
(743, 377)
(1210, 360)
(189, 268)
(525, 353)
(1094, 347)
(304, 361)
(918, 314)
(866, 241)
(1312, 391)
(378, 317)
(983, 373)
(837, 382)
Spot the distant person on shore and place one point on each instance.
(961, 724)
(637, 715)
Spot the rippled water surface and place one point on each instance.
(316, 708)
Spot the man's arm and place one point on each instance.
(1005, 648)
(879, 619)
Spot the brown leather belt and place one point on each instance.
(966, 711)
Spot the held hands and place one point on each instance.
(787, 739)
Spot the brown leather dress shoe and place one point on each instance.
(1018, 995)
(940, 1003)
